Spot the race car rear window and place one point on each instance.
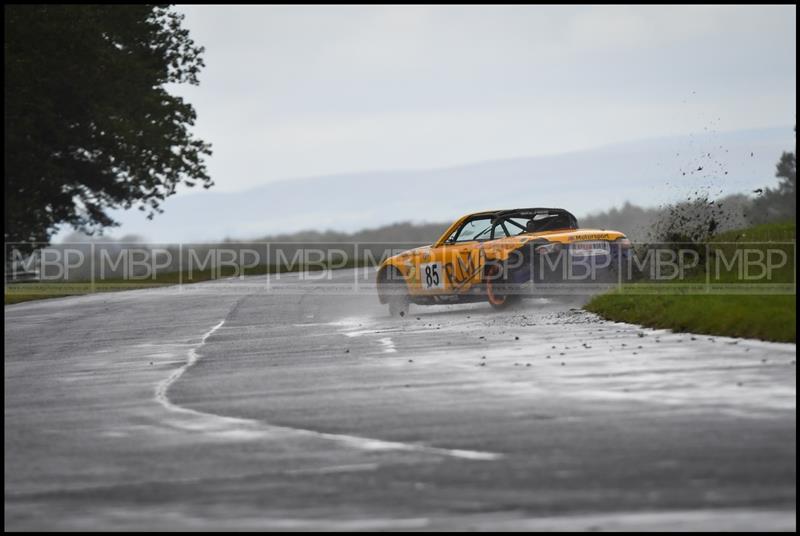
(549, 222)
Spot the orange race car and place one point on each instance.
(501, 256)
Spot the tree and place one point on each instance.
(89, 123)
(779, 203)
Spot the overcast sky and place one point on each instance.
(299, 91)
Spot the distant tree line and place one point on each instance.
(779, 203)
(422, 233)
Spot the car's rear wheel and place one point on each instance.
(497, 293)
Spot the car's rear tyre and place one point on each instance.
(498, 297)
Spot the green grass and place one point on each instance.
(768, 232)
(23, 292)
(770, 318)
(758, 315)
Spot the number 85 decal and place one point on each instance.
(431, 275)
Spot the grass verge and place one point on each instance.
(769, 317)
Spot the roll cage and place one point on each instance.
(549, 219)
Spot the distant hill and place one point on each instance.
(421, 233)
(647, 173)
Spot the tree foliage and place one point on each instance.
(90, 125)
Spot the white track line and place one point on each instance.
(241, 429)
(388, 345)
(163, 387)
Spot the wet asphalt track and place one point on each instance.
(222, 405)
